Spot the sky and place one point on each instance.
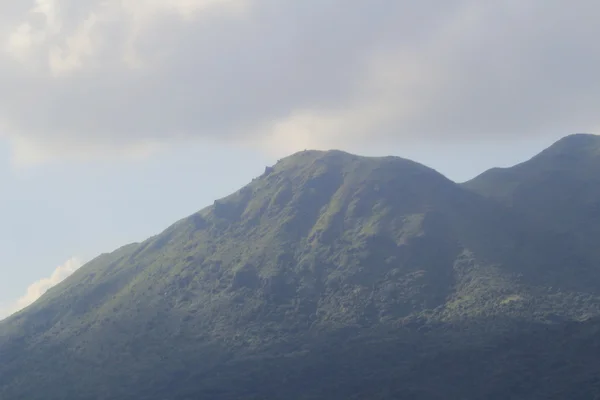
(118, 117)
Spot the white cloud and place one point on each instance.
(38, 288)
(83, 77)
(29, 151)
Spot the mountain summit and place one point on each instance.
(572, 157)
(559, 188)
(327, 261)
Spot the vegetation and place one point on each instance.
(558, 189)
(334, 276)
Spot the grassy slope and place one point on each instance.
(558, 189)
(321, 249)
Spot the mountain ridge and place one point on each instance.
(324, 249)
(559, 189)
(566, 151)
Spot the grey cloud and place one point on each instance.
(344, 69)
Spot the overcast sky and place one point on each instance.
(118, 117)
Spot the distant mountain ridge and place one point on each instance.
(329, 253)
(559, 188)
(578, 153)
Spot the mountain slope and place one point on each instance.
(325, 252)
(559, 188)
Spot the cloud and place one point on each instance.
(86, 78)
(38, 288)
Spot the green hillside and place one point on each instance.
(559, 188)
(330, 276)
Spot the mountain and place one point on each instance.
(330, 276)
(559, 188)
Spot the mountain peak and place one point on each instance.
(580, 138)
(330, 156)
(306, 157)
(314, 182)
(348, 163)
(576, 154)
(577, 144)
(559, 188)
